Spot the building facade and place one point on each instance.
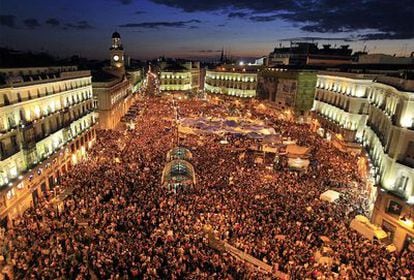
(389, 139)
(377, 112)
(135, 77)
(114, 88)
(46, 125)
(176, 75)
(113, 96)
(341, 105)
(232, 80)
(288, 89)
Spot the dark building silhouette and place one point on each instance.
(304, 53)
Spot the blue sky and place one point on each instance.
(191, 28)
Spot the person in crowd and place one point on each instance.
(120, 223)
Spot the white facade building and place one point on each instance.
(233, 82)
(43, 111)
(378, 112)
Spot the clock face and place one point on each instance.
(116, 57)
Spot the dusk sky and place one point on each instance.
(191, 28)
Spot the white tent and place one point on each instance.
(363, 226)
(298, 163)
(330, 196)
(224, 142)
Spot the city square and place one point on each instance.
(119, 221)
(177, 149)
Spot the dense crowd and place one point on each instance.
(120, 223)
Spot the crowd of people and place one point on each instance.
(120, 223)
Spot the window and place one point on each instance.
(401, 183)
(6, 99)
(22, 115)
(10, 194)
(11, 120)
(389, 229)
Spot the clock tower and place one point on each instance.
(117, 52)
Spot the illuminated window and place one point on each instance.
(13, 171)
(10, 194)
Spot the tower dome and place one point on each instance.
(117, 52)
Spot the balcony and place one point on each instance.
(377, 132)
(32, 138)
(46, 93)
(8, 130)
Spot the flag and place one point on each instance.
(394, 208)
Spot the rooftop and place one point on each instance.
(100, 76)
(237, 68)
(307, 48)
(34, 75)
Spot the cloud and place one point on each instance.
(207, 51)
(237, 15)
(385, 19)
(8, 20)
(158, 24)
(264, 18)
(80, 25)
(385, 36)
(31, 23)
(53, 22)
(125, 2)
(235, 5)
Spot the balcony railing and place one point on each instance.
(377, 132)
(30, 142)
(47, 93)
